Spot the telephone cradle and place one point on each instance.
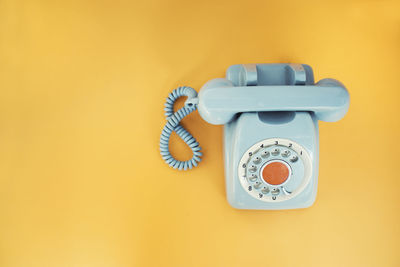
(270, 114)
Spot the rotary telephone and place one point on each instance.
(270, 114)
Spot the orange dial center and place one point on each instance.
(275, 173)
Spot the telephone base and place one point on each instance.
(256, 139)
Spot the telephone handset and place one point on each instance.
(270, 114)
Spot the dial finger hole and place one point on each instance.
(265, 154)
(285, 153)
(257, 160)
(265, 190)
(257, 185)
(252, 168)
(275, 152)
(253, 178)
(275, 191)
(293, 158)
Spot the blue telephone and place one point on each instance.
(270, 113)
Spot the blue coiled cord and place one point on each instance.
(173, 124)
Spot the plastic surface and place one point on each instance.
(220, 100)
(173, 125)
(271, 103)
(248, 129)
(264, 107)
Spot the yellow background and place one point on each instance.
(82, 88)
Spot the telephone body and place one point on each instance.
(270, 114)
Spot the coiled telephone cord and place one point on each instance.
(173, 125)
